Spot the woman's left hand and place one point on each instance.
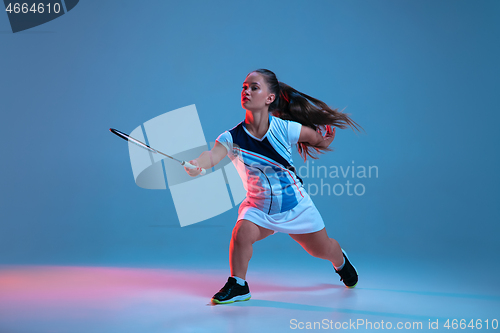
(328, 137)
(316, 138)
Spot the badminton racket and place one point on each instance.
(148, 148)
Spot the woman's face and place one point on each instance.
(255, 94)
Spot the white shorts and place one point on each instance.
(302, 219)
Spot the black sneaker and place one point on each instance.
(232, 292)
(348, 273)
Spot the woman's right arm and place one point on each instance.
(208, 159)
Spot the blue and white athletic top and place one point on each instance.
(265, 165)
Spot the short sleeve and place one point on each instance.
(294, 132)
(226, 140)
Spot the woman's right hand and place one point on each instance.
(193, 172)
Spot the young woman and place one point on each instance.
(261, 149)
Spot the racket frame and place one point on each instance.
(149, 148)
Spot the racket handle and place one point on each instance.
(190, 166)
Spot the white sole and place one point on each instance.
(235, 299)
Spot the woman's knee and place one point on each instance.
(318, 252)
(246, 232)
(317, 244)
(325, 250)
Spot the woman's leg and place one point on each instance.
(319, 245)
(245, 233)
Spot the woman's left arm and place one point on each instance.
(315, 139)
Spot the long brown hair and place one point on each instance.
(291, 104)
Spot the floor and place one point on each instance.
(400, 295)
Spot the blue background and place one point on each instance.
(421, 77)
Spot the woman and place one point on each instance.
(260, 148)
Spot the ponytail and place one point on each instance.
(291, 104)
(309, 111)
